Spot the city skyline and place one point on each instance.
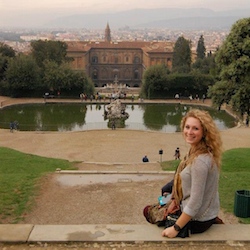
(17, 12)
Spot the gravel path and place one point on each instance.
(120, 202)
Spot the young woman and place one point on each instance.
(196, 180)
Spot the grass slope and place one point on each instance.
(19, 176)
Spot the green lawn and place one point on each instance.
(235, 175)
(19, 178)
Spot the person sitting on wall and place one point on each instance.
(145, 159)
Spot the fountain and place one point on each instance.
(116, 86)
(115, 113)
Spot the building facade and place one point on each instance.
(123, 62)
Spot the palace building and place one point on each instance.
(110, 61)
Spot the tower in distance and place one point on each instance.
(107, 34)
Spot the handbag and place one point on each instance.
(170, 221)
(156, 214)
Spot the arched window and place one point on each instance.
(127, 74)
(95, 74)
(104, 73)
(94, 59)
(137, 59)
(104, 57)
(126, 58)
(136, 74)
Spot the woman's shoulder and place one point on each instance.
(206, 158)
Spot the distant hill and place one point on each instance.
(194, 23)
(173, 18)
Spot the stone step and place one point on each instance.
(232, 234)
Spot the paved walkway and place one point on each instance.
(227, 234)
(6, 101)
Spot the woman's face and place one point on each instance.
(192, 131)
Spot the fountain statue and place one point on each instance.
(115, 113)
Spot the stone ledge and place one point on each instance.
(112, 172)
(227, 234)
(15, 233)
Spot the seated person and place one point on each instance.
(145, 159)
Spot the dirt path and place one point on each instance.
(110, 146)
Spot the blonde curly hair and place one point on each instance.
(211, 141)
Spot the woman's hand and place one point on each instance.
(169, 232)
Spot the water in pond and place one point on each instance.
(78, 117)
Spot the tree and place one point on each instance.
(23, 75)
(201, 49)
(3, 66)
(49, 50)
(155, 80)
(62, 77)
(53, 75)
(233, 60)
(182, 56)
(6, 52)
(206, 65)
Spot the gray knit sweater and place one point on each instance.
(200, 189)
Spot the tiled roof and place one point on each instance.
(78, 46)
(157, 47)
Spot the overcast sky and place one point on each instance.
(12, 11)
(105, 5)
